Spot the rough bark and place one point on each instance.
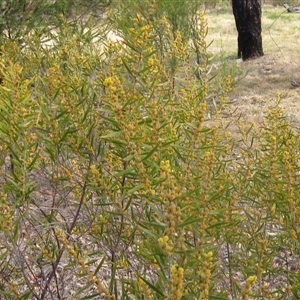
(247, 14)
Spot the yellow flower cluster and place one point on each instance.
(55, 79)
(177, 275)
(246, 291)
(166, 244)
(145, 31)
(199, 113)
(6, 218)
(103, 220)
(46, 254)
(98, 226)
(153, 64)
(227, 87)
(144, 289)
(170, 193)
(153, 8)
(13, 288)
(203, 29)
(179, 47)
(204, 272)
(229, 84)
(165, 167)
(99, 180)
(79, 260)
(112, 83)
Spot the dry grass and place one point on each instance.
(264, 77)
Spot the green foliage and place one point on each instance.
(79, 8)
(180, 15)
(115, 181)
(18, 18)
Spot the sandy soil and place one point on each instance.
(263, 78)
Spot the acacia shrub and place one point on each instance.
(95, 173)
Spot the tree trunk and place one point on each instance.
(247, 14)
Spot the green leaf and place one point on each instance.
(90, 296)
(188, 221)
(113, 275)
(127, 67)
(128, 172)
(111, 135)
(147, 231)
(80, 291)
(135, 189)
(128, 204)
(158, 226)
(217, 298)
(99, 266)
(150, 153)
(4, 293)
(153, 287)
(26, 296)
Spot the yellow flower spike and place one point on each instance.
(246, 291)
(203, 107)
(152, 192)
(278, 96)
(177, 275)
(165, 244)
(144, 289)
(103, 220)
(165, 238)
(108, 81)
(293, 235)
(165, 166)
(208, 255)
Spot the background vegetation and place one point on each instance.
(121, 177)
